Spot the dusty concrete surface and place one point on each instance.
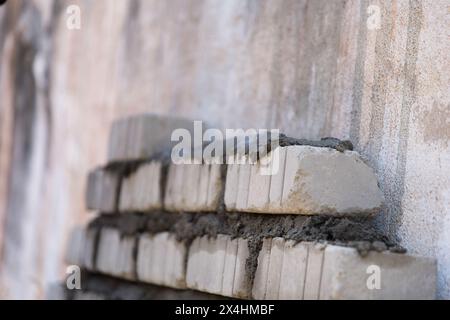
(312, 68)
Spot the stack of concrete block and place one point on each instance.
(302, 180)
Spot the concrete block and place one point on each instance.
(143, 136)
(292, 279)
(316, 271)
(89, 248)
(141, 191)
(101, 190)
(240, 285)
(278, 158)
(161, 260)
(193, 187)
(262, 272)
(313, 274)
(75, 246)
(215, 187)
(217, 266)
(115, 254)
(346, 275)
(310, 180)
(231, 186)
(211, 265)
(258, 193)
(229, 266)
(243, 186)
(275, 269)
(203, 185)
(190, 191)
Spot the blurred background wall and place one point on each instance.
(311, 68)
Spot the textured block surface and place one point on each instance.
(102, 190)
(309, 181)
(115, 254)
(143, 136)
(217, 265)
(141, 190)
(194, 187)
(315, 271)
(161, 260)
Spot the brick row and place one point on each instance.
(285, 270)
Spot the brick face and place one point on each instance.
(143, 136)
(285, 270)
(101, 190)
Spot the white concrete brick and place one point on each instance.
(316, 271)
(75, 246)
(231, 186)
(275, 269)
(278, 158)
(262, 272)
(346, 273)
(293, 272)
(115, 253)
(310, 181)
(194, 264)
(203, 186)
(161, 259)
(215, 187)
(101, 190)
(142, 136)
(88, 258)
(243, 186)
(313, 271)
(229, 266)
(258, 193)
(193, 188)
(140, 191)
(158, 263)
(190, 190)
(81, 246)
(240, 285)
(217, 266)
(212, 264)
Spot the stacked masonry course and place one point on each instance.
(230, 230)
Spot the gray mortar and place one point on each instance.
(328, 142)
(358, 233)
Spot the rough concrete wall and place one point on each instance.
(312, 68)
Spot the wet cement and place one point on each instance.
(358, 233)
(328, 142)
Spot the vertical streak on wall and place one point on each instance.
(378, 98)
(412, 47)
(358, 80)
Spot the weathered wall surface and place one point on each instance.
(312, 68)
